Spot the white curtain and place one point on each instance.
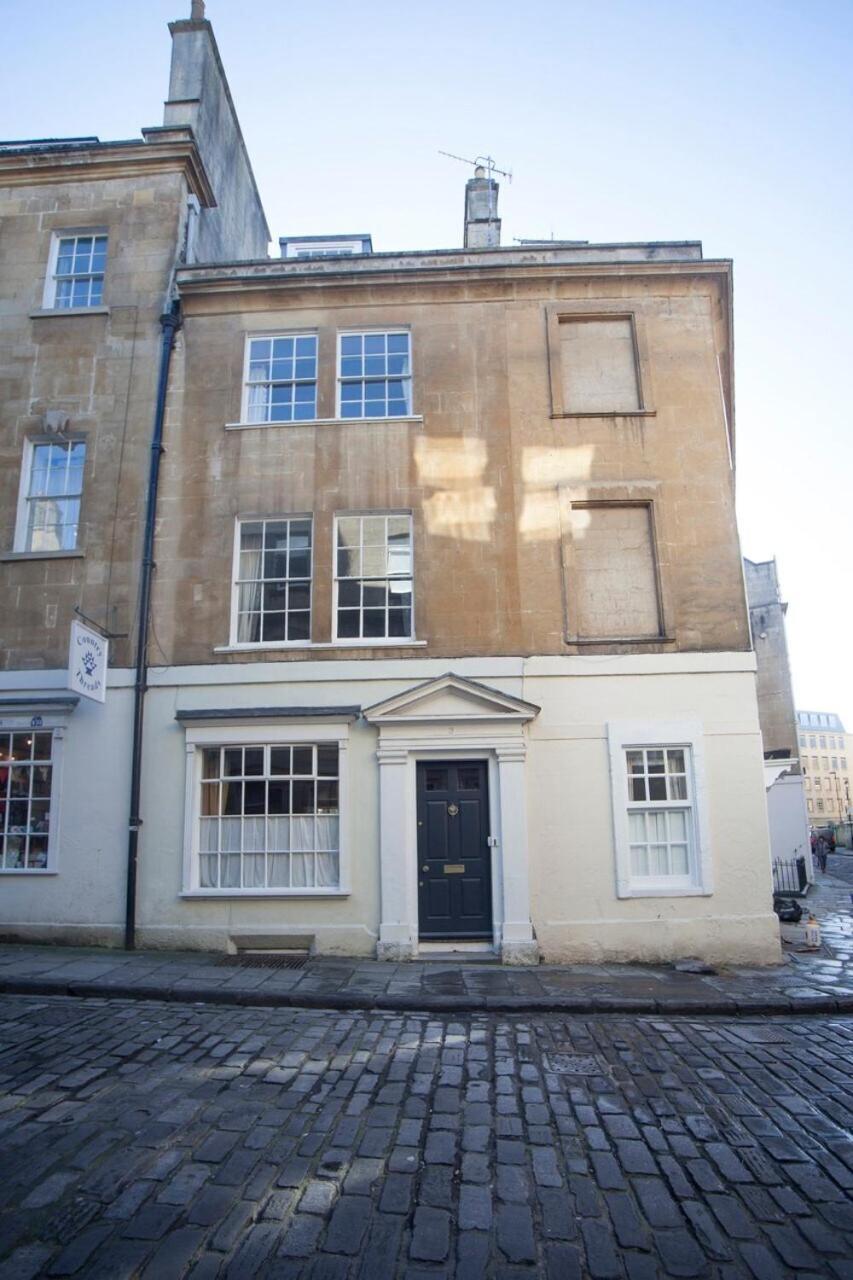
(251, 594)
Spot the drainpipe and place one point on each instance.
(170, 322)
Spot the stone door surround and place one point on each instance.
(453, 718)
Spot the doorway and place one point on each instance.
(454, 855)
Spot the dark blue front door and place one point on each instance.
(454, 858)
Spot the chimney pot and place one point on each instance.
(482, 224)
(197, 11)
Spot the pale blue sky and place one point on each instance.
(728, 122)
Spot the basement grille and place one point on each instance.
(264, 960)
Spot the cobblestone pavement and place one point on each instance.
(161, 1140)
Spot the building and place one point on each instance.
(92, 234)
(786, 798)
(826, 752)
(767, 611)
(452, 645)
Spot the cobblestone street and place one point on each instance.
(167, 1140)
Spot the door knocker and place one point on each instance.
(453, 809)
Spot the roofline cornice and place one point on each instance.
(235, 278)
(126, 160)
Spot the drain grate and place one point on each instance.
(264, 960)
(575, 1064)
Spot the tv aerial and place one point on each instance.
(481, 162)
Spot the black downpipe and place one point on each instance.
(170, 322)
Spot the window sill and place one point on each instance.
(44, 313)
(77, 554)
(609, 640)
(610, 413)
(690, 891)
(335, 644)
(318, 422)
(28, 871)
(265, 893)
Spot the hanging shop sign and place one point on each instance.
(87, 663)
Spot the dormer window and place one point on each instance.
(325, 246)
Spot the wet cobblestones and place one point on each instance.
(161, 1140)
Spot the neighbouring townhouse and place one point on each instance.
(449, 641)
(783, 777)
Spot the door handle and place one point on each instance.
(425, 868)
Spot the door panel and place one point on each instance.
(454, 858)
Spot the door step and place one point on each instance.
(467, 952)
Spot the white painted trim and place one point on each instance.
(343, 247)
(398, 759)
(363, 330)
(470, 695)
(371, 642)
(679, 733)
(219, 894)
(22, 513)
(244, 397)
(21, 535)
(49, 291)
(55, 723)
(236, 734)
(324, 422)
(234, 645)
(272, 645)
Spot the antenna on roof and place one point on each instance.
(481, 162)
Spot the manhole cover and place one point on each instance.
(760, 1035)
(263, 960)
(575, 1064)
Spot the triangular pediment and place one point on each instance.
(448, 699)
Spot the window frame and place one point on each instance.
(234, 625)
(54, 724)
(687, 736)
(387, 331)
(370, 641)
(22, 514)
(302, 732)
(50, 281)
(244, 396)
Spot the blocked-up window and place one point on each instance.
(598, 364)
(613, 586)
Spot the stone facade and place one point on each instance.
(775, 693)
(578, 653)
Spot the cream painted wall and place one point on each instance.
(575, 911)
(85, 901)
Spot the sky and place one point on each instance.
(728, 122)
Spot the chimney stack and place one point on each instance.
(482, 224)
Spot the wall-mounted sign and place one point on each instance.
(87, 663)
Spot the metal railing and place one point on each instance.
(789, 877)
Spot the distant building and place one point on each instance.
(826, 753)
